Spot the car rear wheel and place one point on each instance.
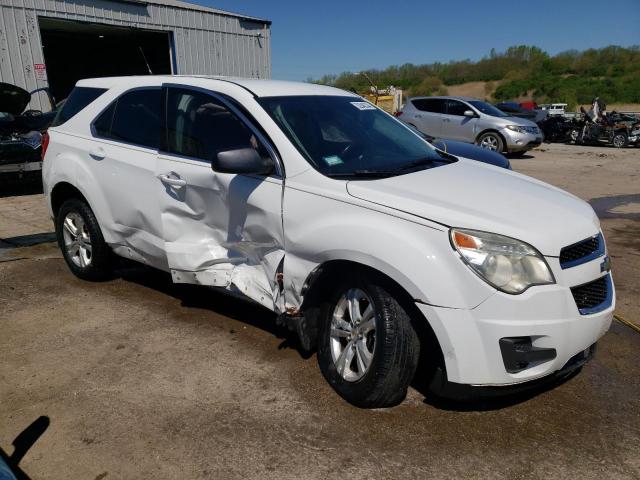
(81, 241)
(491, 141)
(368, 350)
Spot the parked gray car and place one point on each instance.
(473, 121)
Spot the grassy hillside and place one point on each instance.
(521, 72)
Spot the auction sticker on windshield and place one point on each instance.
(363, 105)
(333, 160)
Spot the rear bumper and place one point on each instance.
(21, 167)
(473, 341)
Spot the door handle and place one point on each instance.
(174, 182)
(418, 116)
(98, 153)
(446, 120)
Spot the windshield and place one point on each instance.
(488, 109)
(344, 135)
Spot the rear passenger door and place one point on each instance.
(428, 119)
(127, 139)
(455, 125)
(219, 229)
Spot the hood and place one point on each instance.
(13, 99)
(472, 195)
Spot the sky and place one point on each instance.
(313, 38)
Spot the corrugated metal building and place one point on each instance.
(53, 43)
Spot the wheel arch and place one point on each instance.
(497, 132)
(62, 192)
(318, 284)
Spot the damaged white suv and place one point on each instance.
(378, 249)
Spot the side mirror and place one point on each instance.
(242, 160)
(469, 113)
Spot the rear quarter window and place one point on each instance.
(77, 100)
(134, 118)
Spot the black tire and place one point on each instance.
(99, 266)
(491, 141)
(620, 140)
(396, 349)
(574, 136)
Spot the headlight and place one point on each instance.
(521, 129)
(507, 264)
(516, 128)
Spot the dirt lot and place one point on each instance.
(144, 379)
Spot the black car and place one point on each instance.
(20, 134)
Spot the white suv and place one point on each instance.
(376, 248)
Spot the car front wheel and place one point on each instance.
(81, 242)
(620, 140)
(491, 141)
(368, 350)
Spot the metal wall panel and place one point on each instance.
(206, 41)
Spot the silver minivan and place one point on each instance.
(471, 120)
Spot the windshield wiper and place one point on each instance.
(446, 157)
(364, 173)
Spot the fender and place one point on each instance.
(419, 258)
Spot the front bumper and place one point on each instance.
(546, 315)
(520, 142)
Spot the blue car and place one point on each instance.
(466, 150)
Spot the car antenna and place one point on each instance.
(145, 60)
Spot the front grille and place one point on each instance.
(594, 296)
(582, 251)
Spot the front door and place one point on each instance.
(220, 229)
(456, 125)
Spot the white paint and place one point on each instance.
(233, 231)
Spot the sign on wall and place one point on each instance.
(41, 71)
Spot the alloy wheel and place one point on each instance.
(353, 334)
(618, 141)
(489, 142)
(77, 239)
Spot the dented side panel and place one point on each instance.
(222, 230)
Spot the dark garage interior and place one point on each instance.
(104, 51)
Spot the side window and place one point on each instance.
(200, 126)
(434, 105)
(79, 98)
(133, 118)
(455, 107)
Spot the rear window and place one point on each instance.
(133, 118)
(79, 98)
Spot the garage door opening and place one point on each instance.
(76, 50)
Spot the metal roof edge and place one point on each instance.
(194, 6)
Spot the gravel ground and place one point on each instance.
(144, 379)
